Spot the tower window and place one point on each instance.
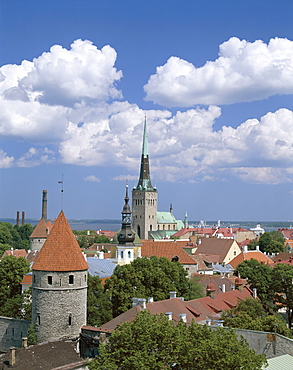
(34, 278)
(39, 319)
(71, 279)
(50, 279)
(69, 319)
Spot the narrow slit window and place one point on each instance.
(50, 279)
(70, 320)
(71, 279)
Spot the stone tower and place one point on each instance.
(144, 197)
(59, 289)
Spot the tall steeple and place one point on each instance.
(144, 182)
(126, 236)
(144, 196)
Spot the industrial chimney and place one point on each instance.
(44, 205)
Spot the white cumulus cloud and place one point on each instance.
(245, 71)
(92, 178)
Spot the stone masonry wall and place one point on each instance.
(11, 332)
(59, 308)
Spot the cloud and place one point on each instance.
(92, 178)
(245, 71)
(91, 128)
(5, 161)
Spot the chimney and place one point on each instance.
(208, 322)
(182, 298)
(257, 248)
(12, 356)
(182, 316)
(134, 302)
(44, 205)
(245, 248)
(142, 303)
(150, 300)
(223, 288)
(24, 342)
(17, 218)
(22, 217)
(254, 294)
(169, 315)
(173, 295)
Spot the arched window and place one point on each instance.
(121, 254)
(138, 230)
(129, 254)
(151, 227)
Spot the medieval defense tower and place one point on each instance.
(59, 289)
(144, 197)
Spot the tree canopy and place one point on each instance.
(155, 343)
(14, 236)
(99, 306)
(250, 315)
(272, 242)
(12, 270)
(149, 277)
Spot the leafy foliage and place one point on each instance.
(15, 236)
(148, 277)
(12, 270)
(31, 335)
(260, 277)
(272, 242)
(155, 343)
(250, 314)
(99, 307)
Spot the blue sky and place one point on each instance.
(215, 79)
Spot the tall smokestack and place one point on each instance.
(22, 217)
(44, 205)
(17, 218)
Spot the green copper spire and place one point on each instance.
(145, 140)
(144, 182)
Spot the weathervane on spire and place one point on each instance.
(62, 192)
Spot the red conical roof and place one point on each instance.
(60, 251)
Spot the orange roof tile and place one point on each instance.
(259, 256)
(27, 279)
(60, 251)
(168, 249)
(42, 229)
(15, 253)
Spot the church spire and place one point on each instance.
(144, 182)
(126, 236)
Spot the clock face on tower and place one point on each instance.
(125, 219)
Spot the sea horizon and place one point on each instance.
(114, 224)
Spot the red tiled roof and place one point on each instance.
(60, 251)
(27, 279)
(215, 246)
(168, 249)
(227, 232)
(283, 256)
(15, 253)
(197, 309)
(259, 256)
(42, 229)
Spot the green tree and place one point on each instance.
(250, 315)
(259, 276)
(267, 242)
(101, 239)
(3, 248)
(282, 278)
(5, 234)
(148, 277)
(252, 244)
(31, 335)
(99, 306)
(155, 343)
(12, 270)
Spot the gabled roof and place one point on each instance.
(100, 267)
(60, 251)
(215, 246)
(257, 255)
(168, 249)
(283, 256)
(197, 309)
(42, 229)
(166, 218)
(15, 253)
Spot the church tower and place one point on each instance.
(144, 197)
(59, 289)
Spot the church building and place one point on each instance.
(146, 220)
